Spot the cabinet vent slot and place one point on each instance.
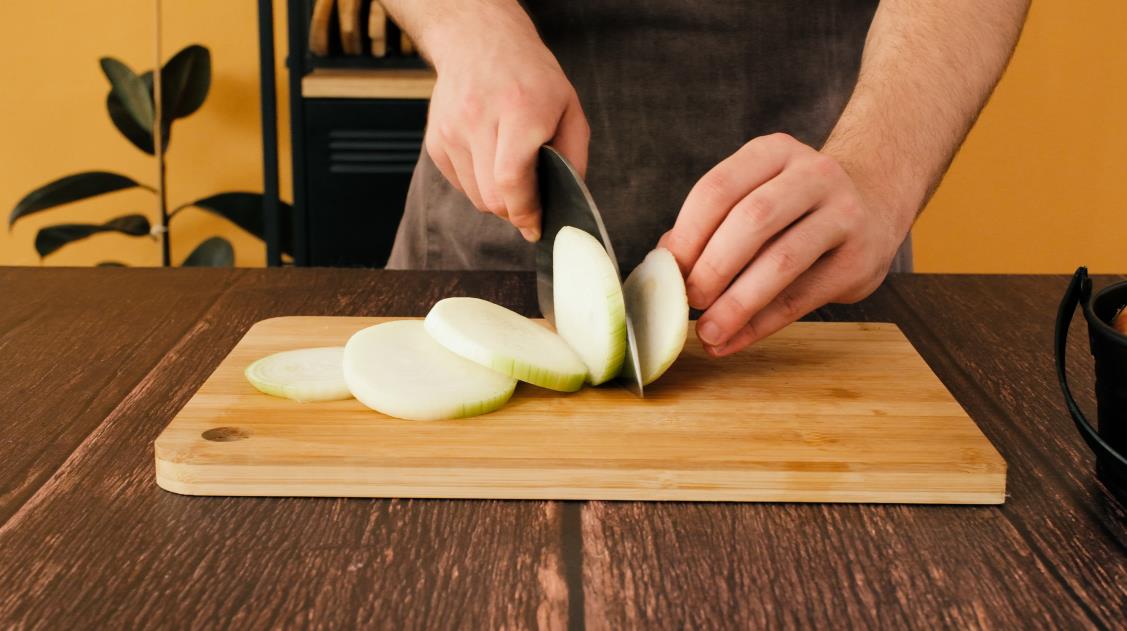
(373, 151)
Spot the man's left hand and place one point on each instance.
(774, 232)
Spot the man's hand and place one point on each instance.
(500, 94)
(779, 229)
(774, 232)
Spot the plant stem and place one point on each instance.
(158, 145)
(165, 242)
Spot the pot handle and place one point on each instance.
(1079, 290)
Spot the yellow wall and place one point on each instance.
(1039, 187)
(53, 120)
(1041, 183)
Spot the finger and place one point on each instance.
(765, 212)
(663, 242)
(483, 155)
(812, 290)
(442, 161)
(721, 188)
(463, 168)
(769, 275)
(514, 171)
(573, 137)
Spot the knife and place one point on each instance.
(565, 201)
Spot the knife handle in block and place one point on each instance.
(319, 27)
(348, 13)
(377, 28)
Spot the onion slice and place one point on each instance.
(587, 295)
(397, 368)
(307, 374)
(655, 297)
(506, 342)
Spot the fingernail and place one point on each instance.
(709, 333)
(696, 297)
(530, 234)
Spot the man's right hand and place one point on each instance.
(500, 94)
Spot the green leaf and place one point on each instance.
(70, 189)
(130, 90)
(141, 138)
(185, 80)
(245, 211)
(214, 252)
(51, 238)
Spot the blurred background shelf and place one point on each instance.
(358, 94)
(368, 83)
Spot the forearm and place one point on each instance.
(926, 72)
(443, 28)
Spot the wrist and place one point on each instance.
(462, 29)
(883, 184)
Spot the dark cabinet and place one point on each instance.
(358, 158)
(356, 127)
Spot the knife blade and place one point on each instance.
(565, 201)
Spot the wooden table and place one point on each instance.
(94, 363)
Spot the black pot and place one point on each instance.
(1109, 348)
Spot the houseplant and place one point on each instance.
(184, 83)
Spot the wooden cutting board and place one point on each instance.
(820, 412)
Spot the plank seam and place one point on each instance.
(571, 547)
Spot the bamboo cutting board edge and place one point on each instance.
(186, 464)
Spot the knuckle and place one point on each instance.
(824, 166)
(790, 306)
(585, 128)
(752, 330)
(508, 177)
(784, 261)
(523, 218)
(737, 308)
(714, 185)
(781, 139)
(759, 209)
(516, 97)
(448, 130)
(493, 203)
(677, 241)
(708, 272)
(434, 148)
(471, 109)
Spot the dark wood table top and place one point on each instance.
(94, 364)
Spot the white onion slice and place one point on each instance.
(506, 342)
(307, 374)
(587, 296)
(397, 368)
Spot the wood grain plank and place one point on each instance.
(824, 412)
(72, 345)
(997, 337)
(345, 83)
(99, 545)
(819, 566)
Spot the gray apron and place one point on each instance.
(670, 88)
